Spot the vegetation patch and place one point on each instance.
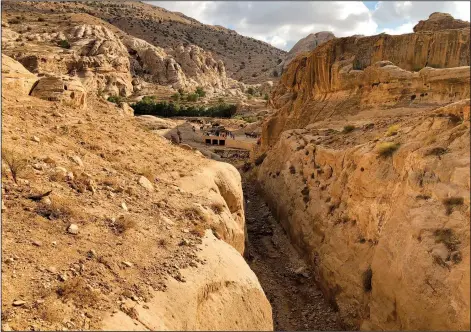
(15, 162)
(63, 43)
(447, 237)
(392, 130)
(386, 149)
(452, 202)
(348, 129)
(148, 106)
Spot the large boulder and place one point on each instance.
(15, 77)
(222, 295)
(67, 90)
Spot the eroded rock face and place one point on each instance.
(223, 294)
(440, 21)
(183, 67)
(65, 89)
(389, 236)
(307, 44)
(347, 75)
(15, 77)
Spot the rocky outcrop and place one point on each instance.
(184, 67)
(223, 294)
(346, 75)
(15, 77)
(307, 44)
(67, 90)
(386, 230)
(440, 21)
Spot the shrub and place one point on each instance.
(250, 91)
(275, 73)
(200, 92)
(77, 290)
(124, 223)
(451, 202)
(266, 96)
(115, 99)
(220, 100)
(64, 43)
(348, 128)
(41, 19)
(15, 162)
(392, 130)
(387, 148)
(176, 97)
(447, 237)
(192, 97)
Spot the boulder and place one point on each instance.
(67, 90)
(222, 294)
(440, 21)
(16, 79)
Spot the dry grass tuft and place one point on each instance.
(60, 208)
(77, 290)
(125, 223)
(217, 207)
(348, 129)
(392, 130)
(386, 149)
(15, 162)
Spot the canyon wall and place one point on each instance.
(366, 165)
(388, 235)
(347, 75)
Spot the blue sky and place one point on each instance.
(283, 23)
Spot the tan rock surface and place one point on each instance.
(222, 294)
(15, 77)
(388, 236)
(440, 21)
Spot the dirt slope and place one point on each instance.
(99, 214)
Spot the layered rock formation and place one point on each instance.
(373, 185)
(388, 236)
(440, 21)
(307, 44)
(15, 77)
(64, 89)
(346, 75)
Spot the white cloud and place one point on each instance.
(283, 23)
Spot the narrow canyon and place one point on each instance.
(159, 173)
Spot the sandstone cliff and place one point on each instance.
(440, 21)
(346, 75)
(307, 44)
(386, 230)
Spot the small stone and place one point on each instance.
(4, 208)
(124, 206)
(40, 301)
(37, 243)
(9, 260)
(54, 243)
(184, 242)
(185, 230)
(143, 181)
(77, 160)
(52, 269)
(128, 264)
(91, 253)
(18, 303)
(46, 200)
(63, 277)
(35, 139)
(69, 175)
(73, 229)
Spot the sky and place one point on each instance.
(283, 23)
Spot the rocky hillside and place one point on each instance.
(245, 59)
(103, 58)
(307, 44)
(86, 190)
(366, 164)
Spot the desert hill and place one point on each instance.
(246, 59)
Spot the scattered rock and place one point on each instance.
(124, 206)
(77, 160)
(35, 139)
(52, 269)
(143, 181)
(73, 229)
(37, 243)
(18, 303)
(128, 264)
(91, 253)
(9, 260)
